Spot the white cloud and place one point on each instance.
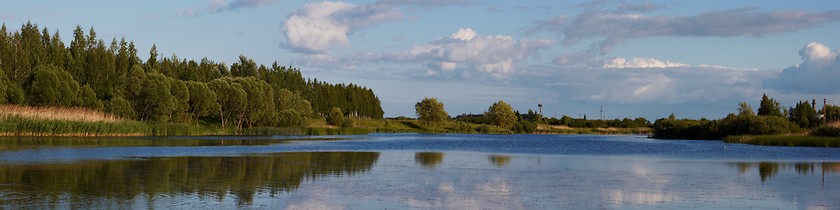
(495, 55)
(612, 26)
(818, 73)
(640, 63)
(317, 27)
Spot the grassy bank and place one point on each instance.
(55, 121)
(785, 140)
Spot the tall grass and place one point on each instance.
(57, 113)
(780, 140)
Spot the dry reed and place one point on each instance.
(57, 113)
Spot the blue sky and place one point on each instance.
(634, 58)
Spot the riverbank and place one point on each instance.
(785, 140)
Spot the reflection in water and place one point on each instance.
(767, 170)
(499, 160)
(428, 159)
(97, 184)
(18, 143)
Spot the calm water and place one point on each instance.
(399, 171)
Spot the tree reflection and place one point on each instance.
(124, 180)
(499, 160)
(428, 159)
(767, 170)
(18, 143)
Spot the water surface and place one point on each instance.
(414, 171)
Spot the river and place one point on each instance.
(413, 171)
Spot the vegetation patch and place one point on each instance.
(785, 140)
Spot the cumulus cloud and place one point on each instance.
(222, 6)
(317, 27)
(818, 73)
(495, 55)
(614, 25)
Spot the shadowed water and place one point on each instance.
(414, 171)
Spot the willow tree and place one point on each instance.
(232, 99)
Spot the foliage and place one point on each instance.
(769, 107)
(826, 131)
(501, 114)
(120, 107)
(202, 101)
(804, 115)
(336, 117)
(430, 110)
(744, 109)
(785, 140)
(524, 127)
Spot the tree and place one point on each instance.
(804, 115)
(202, 100)
(292, 109)
(49, 86)
(260, 108)
(120, 107)
(430, 110)
(244, 68)
(501, 114)
(232, 99)
(336, 117)
(88, 98)
(769, 107)
(155, 101)
(744, 109)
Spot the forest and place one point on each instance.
(39, 69)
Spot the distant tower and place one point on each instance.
(813, 104)
(602, 112)
(540, 105)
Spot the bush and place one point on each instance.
(524, 127)
(826, 131)
(336, 117)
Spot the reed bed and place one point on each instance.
(782, 140)
(57, 113)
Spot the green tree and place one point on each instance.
(260, 108)
(180, 100)
(232, 100)
(49, 86)
(203, 101)
(804, 115)
(501, 114)
(120, 107)
(336, 117)
(430, 110)
(88, 98)
(155, 102)
(244, 68)
(744, 109)
(292, 109)
(769, 107)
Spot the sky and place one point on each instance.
(697, 59)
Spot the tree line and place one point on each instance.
(39, 69)
(770, 119)
(431, 110)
